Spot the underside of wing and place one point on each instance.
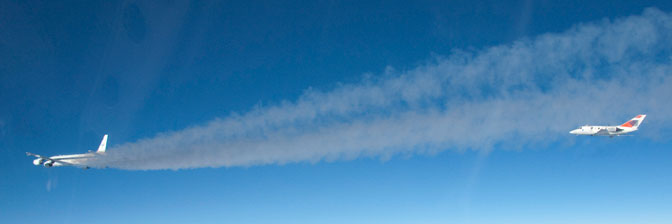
(64, 162)
(602, 132)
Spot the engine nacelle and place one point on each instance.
(38, 161)
(48, 163)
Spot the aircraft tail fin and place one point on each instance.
(103, 145)
(634, 122)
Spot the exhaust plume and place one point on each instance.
(527, 93)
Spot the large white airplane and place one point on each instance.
(610, 131)
(78, 160)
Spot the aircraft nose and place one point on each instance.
(573, 131)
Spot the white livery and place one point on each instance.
(610, 131)
(78, 160)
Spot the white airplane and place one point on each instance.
(610, 131)
(78, 160)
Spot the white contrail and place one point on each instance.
(530, 92)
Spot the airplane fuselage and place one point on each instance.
(602, 130)
(65, 160)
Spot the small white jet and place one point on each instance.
(78, 160)
(610, 131)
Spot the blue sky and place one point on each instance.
(336, 112)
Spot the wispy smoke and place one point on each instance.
(530, 92)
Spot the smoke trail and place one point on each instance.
(530, 92)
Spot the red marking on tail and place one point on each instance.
(628, 124)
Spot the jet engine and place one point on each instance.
(48, 163)
(38, 161)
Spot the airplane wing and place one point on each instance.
(602, 132)
(66, 163)
(36, 155)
